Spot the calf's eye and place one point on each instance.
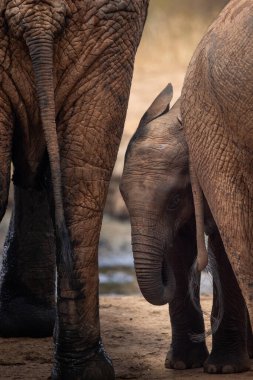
(174, 201)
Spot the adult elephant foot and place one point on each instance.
(225, 362)
(26, 317)
(97, 367)
(192, 356)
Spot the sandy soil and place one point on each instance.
(136, 335)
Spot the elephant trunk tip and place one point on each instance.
(155, 276)
(164, 300)
(158, 292)
(156, 301)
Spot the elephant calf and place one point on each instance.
(157, 190)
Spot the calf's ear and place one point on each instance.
(160, 105)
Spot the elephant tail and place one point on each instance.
(212, 271)
(41, 53)
(202, 256)
(205, 260)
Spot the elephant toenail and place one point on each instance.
(179, 365)
(228, 369)
(211, 369)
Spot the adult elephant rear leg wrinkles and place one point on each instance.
(89, 139)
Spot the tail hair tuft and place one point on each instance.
(212, 271)
(65, 257)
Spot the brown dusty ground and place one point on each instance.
(136, 335)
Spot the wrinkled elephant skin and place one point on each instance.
(217, 114)
(66, 69)
(157, 190)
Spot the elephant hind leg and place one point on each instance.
(230, 346)
(23, 319)
(27, 294)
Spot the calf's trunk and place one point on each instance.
(155, 279)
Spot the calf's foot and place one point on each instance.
(185, 357)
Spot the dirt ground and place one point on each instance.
(135, 333)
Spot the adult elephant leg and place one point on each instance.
(89, 131)
(223, 167)
(28, 274)
(231, 203)
(88, 151)
(79, 350)
(230, 344)
(185, 319)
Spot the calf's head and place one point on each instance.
(156, 189)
